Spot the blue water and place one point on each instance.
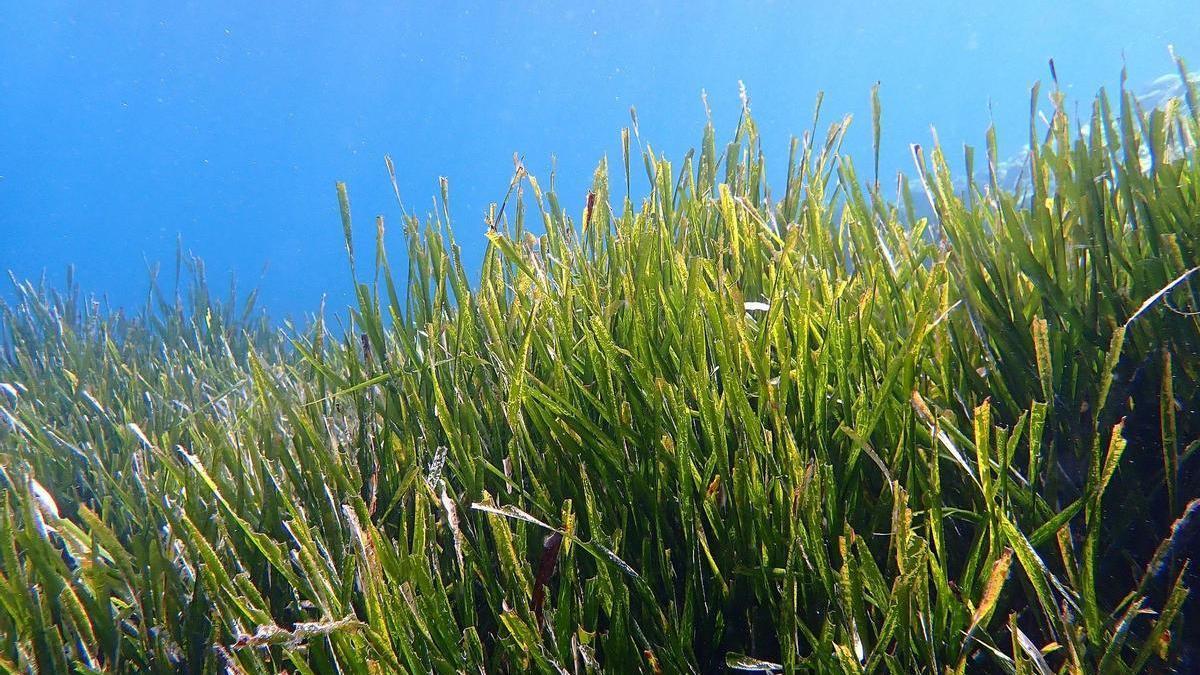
(126, 125)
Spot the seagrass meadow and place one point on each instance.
(816, 428)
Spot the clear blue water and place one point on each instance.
(126, 125)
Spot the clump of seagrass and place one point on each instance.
(799, 429)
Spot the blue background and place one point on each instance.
(125, 125)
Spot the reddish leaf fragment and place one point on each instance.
(550, 548)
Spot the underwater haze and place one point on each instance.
(126, 127)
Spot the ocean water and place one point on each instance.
(761, 449)
(126, 127)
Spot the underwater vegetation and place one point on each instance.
(798, 428)
(1012, 170)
